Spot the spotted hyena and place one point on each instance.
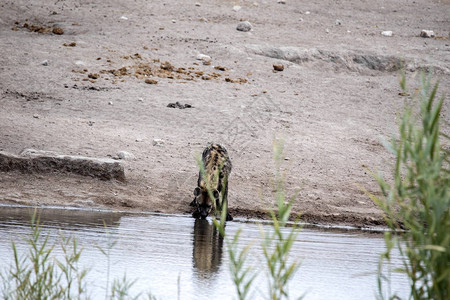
(217, 166)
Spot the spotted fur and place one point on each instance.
(217, 166)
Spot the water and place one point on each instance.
(171, 254)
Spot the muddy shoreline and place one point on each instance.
(57, 190)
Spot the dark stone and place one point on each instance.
(179, 105)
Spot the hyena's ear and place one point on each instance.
(196, 191)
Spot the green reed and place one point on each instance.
(416, 204)
(38, 275)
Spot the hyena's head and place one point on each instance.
(204, 201)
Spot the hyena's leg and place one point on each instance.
(196, 191)
(225, 200)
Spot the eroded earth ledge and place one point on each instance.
(39, 161)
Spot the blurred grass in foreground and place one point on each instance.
(416, 204)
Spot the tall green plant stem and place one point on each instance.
(416, 205)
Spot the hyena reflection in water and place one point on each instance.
(217, 166)
(207, 250)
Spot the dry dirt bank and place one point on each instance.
(93, 78)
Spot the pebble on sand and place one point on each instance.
(204, 57)
(57, 30)
(158, 142)
(125, 155)
(244, 26)
(278, 67)
(427, 33)
(387, 33)
(150, 81)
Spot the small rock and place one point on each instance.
(221, 68)
(281, 1)
(427, 33)
(179, 105)
(123, 18)
(205, 58)
(158, 142)
(387, 33)
(141, 99)
(44, 63)
(197, 4)
(139, 140)
(174, 21)
(338, 22)
(93, 75)
(307, 12)
(57, 30)
(327, 30)
(278, 68)
(150, 81)
(72, 44)
(167, 66)
(244, 26)
(36, 116)
(236, 8)
(125, 155)
(110, 103)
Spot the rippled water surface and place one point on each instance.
(168, 255)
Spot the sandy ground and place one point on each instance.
(103, 83)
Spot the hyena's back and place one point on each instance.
(215, 159)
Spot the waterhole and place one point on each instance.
(175, 256)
